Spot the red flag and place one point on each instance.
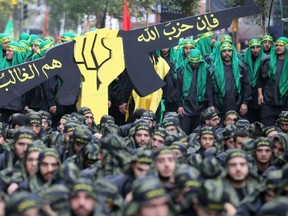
(126, 25)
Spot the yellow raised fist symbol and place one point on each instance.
(100, 58)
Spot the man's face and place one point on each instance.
(82, 204)
(194, 65)
(207, 141)
(239, 140)
(142, 138)
(263, 154)
(45, 124)
(89, 119)
(187, 50)
(77, 147)
(278, 149)
(229, 143)
(280, 50)
(35, 48)
(35, 128)
(67, 136)
(212, 40)
(171, 129)
(214, 122)
(140, 169)
(165, 165)
(155, 207)
(284, 126)
(4, 45)
(165, 51)
(21, 146)
(230, 119)
(255, 51)
(61, 125)
(157, 142)
(238, 169)
(9, 55)
(267, 45)
(226, 55)
(48, 166)
(177, 153)
(2, 140)
(32, 161)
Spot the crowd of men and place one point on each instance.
(216, 144)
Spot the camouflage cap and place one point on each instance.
(231, 112)
(77, 118)
(149, 115)
(169, 139)
(24, 132)
(170, 121)
(213, 195)
(273, 179)
(256, 129)
(81, 135)
(162, 150)
(84, 110)
(109, 128)
(21, 201)
(143, 126)
(277, 206)
(33, 118)
(108, 190)
(264, 141)
(249, 146)
(17, 119)
(83, 185)
(283, 116)
(49, 152)
(207, 130)
(180, 146)
(267, 130)
(57, 196)
(187, 176)
(37, 145)
(90, 151)
(171, 115)
(141, 155)
(112, 142)
(107, 119)
(67, 173)
(210, 167)
(70, 127)
(143, 190)
(194, 160)
(160, 131)
(243, 124)
(46, 115)
(228, 132)
(233, 153)
(208, 114)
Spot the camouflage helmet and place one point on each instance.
(21, 201)
(81, 135)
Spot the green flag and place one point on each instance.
(9, 29)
